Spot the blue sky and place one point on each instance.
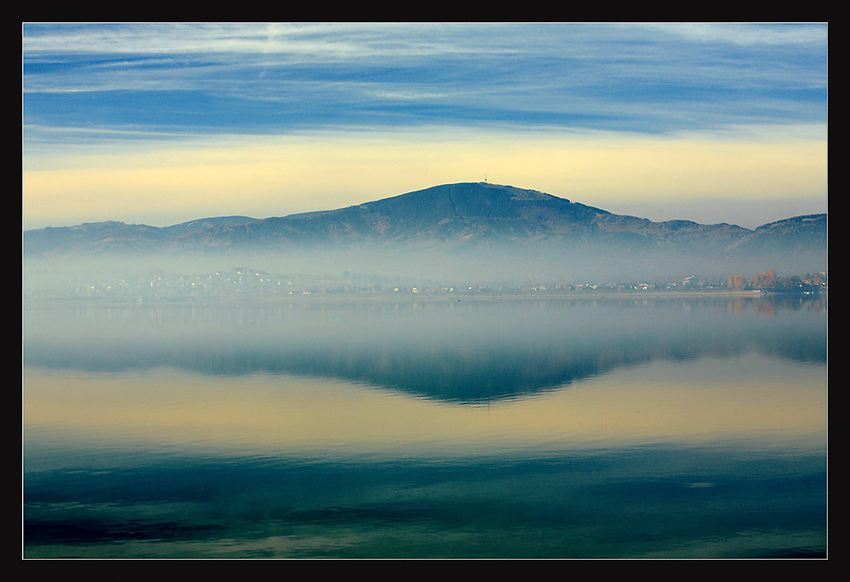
(164, 122)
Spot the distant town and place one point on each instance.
(245, 282)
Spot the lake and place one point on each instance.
(643, 426)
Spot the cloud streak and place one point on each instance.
(643, 78)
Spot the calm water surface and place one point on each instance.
(561, 428)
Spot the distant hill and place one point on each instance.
(463, 222)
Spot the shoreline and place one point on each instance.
(407, 297)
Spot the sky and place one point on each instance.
(161, 123)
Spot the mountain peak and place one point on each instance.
(466, 191)
(479, 200)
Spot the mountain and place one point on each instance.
(462, 223)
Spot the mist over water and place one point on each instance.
(456, 349)
(157, 277)
(652, 426)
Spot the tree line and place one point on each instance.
(772, 282)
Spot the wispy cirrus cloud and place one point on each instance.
(635, 77)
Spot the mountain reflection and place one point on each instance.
(463, 352)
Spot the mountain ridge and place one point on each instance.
(467, 219)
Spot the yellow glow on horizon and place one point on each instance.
(281, 412)
(280, 176)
